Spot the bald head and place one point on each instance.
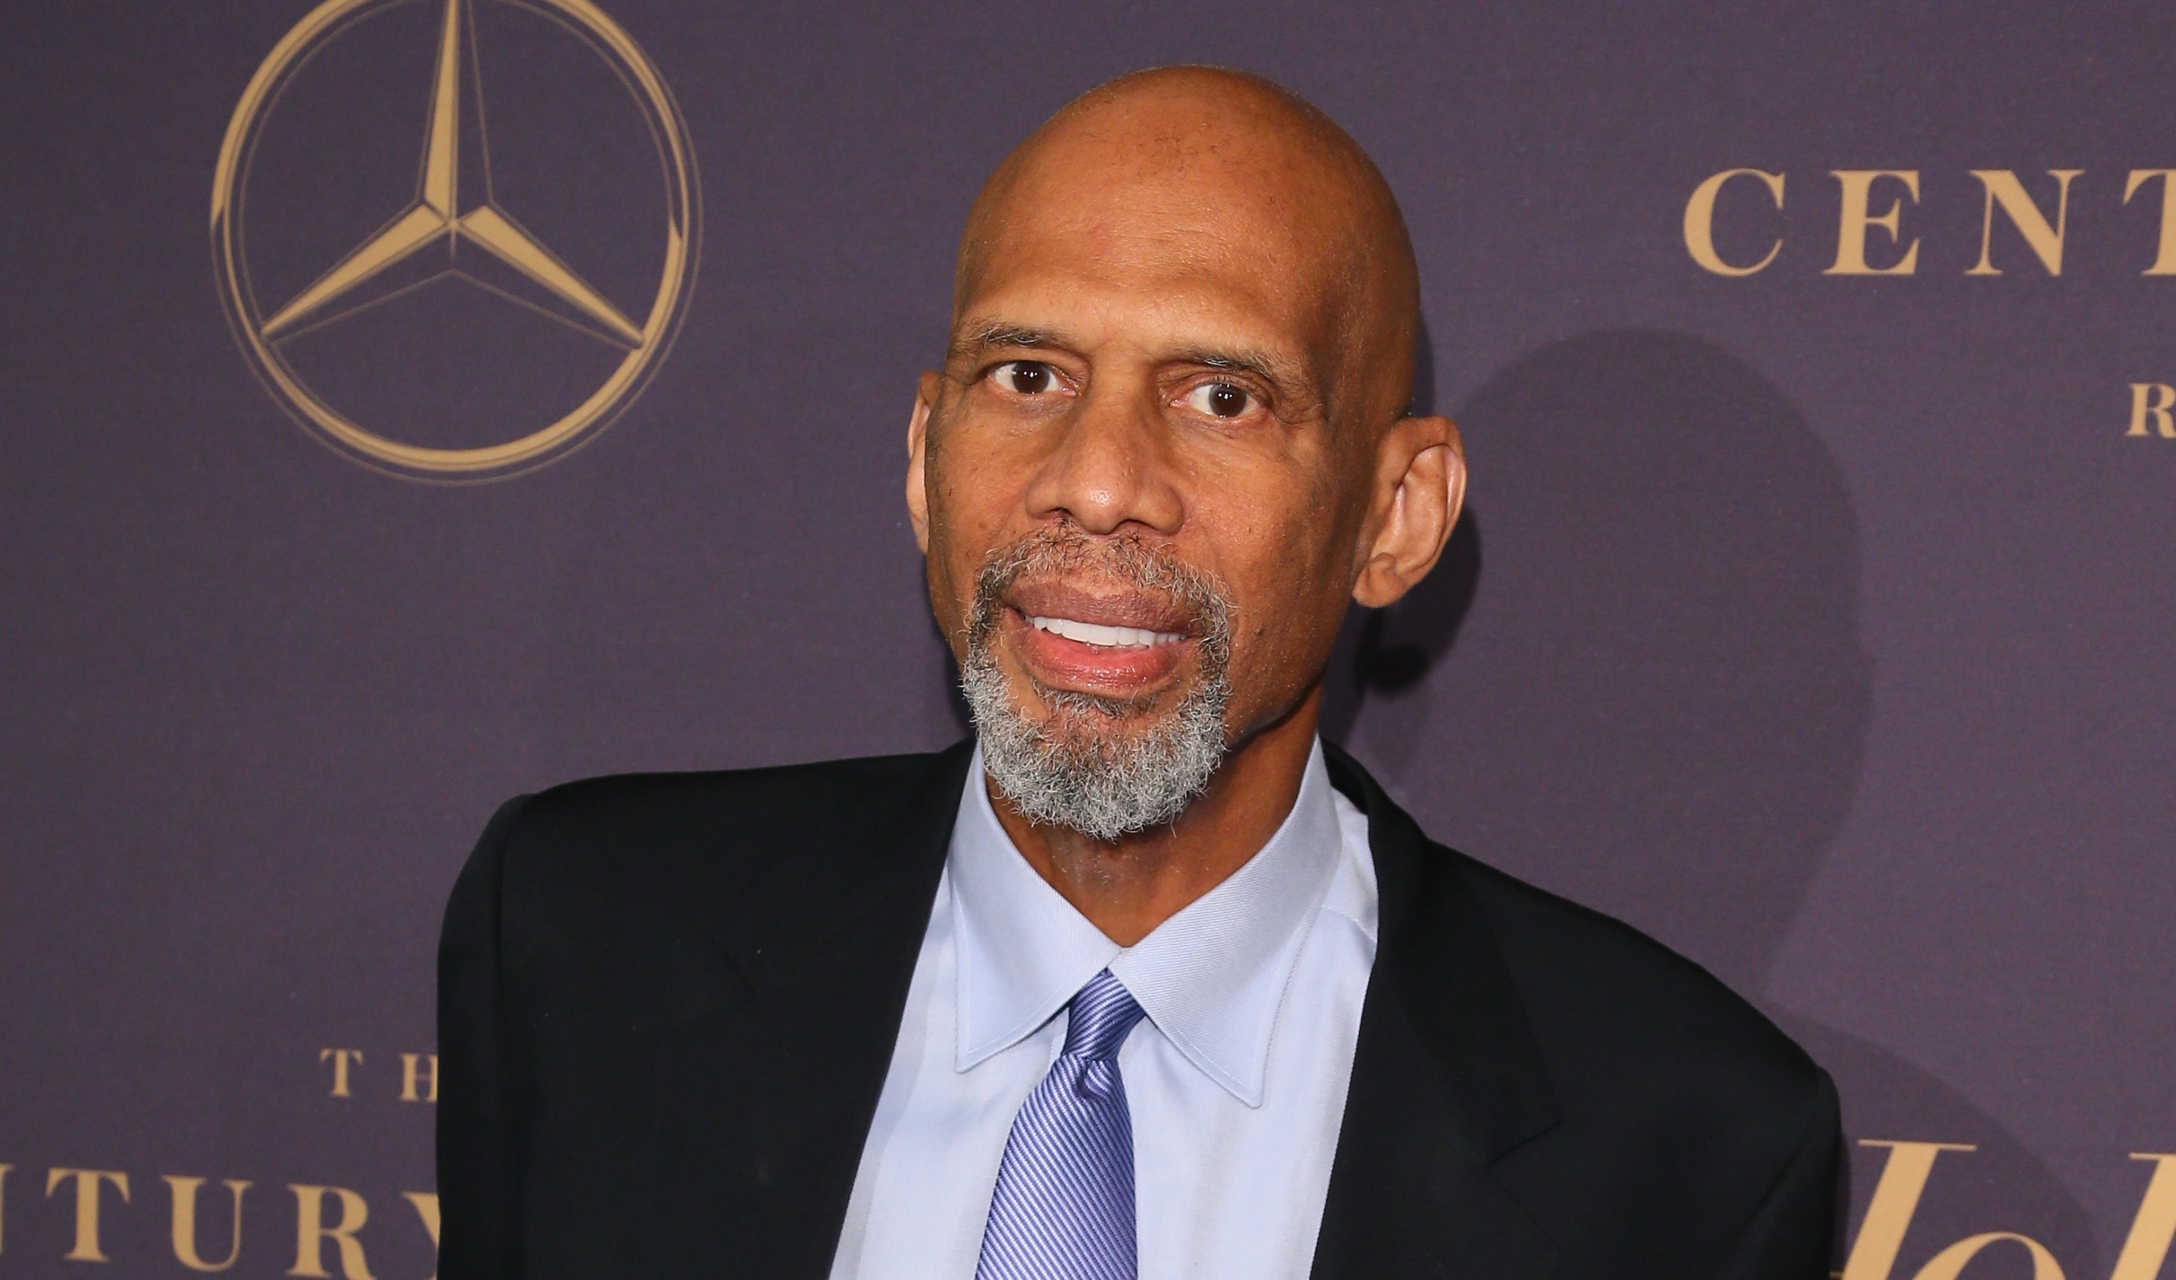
(1209, 167)
(1169, 445)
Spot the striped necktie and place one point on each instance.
(1063, 1209)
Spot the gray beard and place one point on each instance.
(1098, 765)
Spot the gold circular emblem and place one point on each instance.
(451, 209)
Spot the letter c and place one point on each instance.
(1700, 221)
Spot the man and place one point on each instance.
(1144, 980)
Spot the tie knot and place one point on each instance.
(1103, 1012)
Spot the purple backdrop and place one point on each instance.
(1819, 623)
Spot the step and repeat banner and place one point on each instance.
(409, 403)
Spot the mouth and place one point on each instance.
(1098, 636)
(1126, 646)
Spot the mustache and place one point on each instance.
(1154, 569)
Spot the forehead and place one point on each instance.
(1209, 229)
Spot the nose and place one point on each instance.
(1110, 466)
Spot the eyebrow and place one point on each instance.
(997, 333)
(1268, 367)
(1261, 364)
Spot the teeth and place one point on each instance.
(1105, 637)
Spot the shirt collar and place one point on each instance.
(1211, 977)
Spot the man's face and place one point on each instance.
(1132, 435)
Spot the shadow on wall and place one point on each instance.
(1637, 678)
(1657, 697)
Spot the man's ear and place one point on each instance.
(1420, 484)
(925, 399)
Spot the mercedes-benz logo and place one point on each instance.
(451, 208)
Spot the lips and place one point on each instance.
(1125, 643)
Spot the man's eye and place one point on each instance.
(1219, 400)
(1025, 377)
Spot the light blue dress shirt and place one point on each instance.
(1236, 1078)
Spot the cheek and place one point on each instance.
(969, 505)
(1289, 587)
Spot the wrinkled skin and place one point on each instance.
(1185, 316)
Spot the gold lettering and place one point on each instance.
(185, 1223)
(1700, 221)
(88, 1182)
(408, 1063)
(1857, 216)
(340, 1059)
(2152, 400)
(426, 1204)
(311, 1233)
(1896, 1198)
(2046, 242)
(1950, 1262)
(2164, 261)
(2146, 1248)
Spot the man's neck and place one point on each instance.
(1129, 887)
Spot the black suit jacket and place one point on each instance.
(667, 1005)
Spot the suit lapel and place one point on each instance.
(766, 1094)
(1446, 1079)
(857, 903)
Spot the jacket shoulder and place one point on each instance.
(621, 797)
(1679, 1101)
(1607, 999)
(629, 851)
(671, 998)
(633, 811)
(1693, 1130)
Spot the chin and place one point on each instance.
(1105, 766)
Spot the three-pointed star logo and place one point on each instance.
(436, 217)
(454, 207)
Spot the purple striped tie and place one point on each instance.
(1063, 1209)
